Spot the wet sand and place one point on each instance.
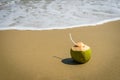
(45, 55)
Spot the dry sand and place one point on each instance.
(45, 55)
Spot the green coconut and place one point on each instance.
(81, 56)
(80, 52)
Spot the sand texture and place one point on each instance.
(45, 55)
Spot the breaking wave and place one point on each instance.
(56, 14)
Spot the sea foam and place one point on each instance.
(56, 14)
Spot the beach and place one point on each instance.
(45, 55)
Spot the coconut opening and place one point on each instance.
(80, 46)
(76, 46)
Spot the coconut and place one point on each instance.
(80, 52)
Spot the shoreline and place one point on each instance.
(61, 28)
(44, 55)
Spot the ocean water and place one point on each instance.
(56, 14)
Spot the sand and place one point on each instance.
(45, 55)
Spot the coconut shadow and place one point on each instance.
(70, 61)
